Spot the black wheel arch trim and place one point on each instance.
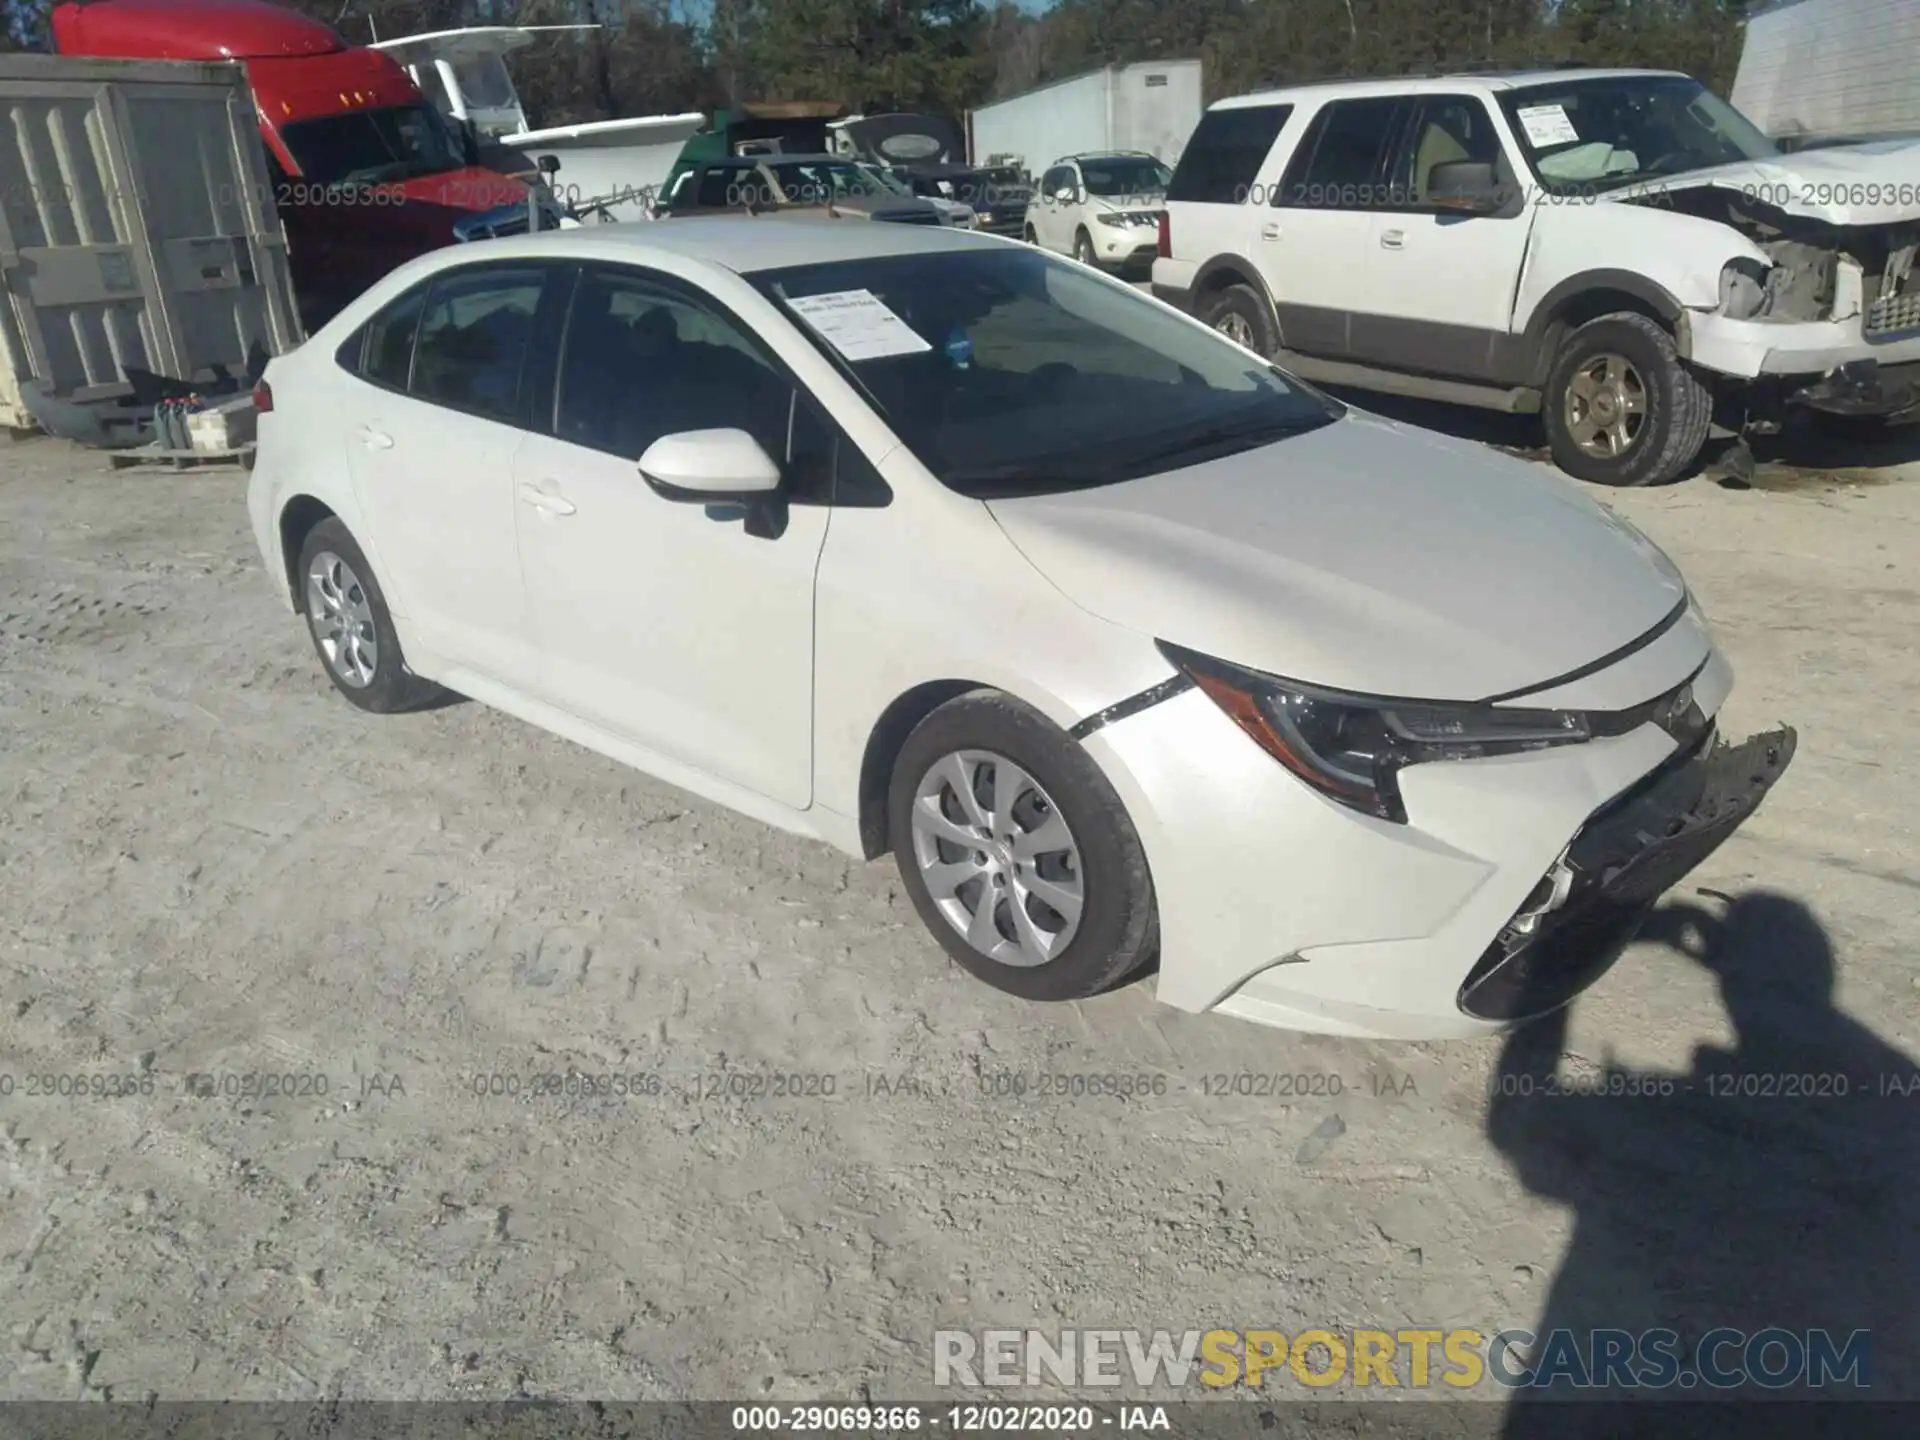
(1627, 282)
(1249, 274)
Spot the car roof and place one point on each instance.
(1488, 82)
(738, 242)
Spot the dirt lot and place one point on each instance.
(211, 865)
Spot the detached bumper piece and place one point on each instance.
(1863, 387)
(1588, 909)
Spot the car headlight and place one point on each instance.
(1118, 222)
(1351, 748)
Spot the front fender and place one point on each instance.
(1667, 260)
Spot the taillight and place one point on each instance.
(1166, 236)
(263, 397)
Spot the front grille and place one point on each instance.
(1892, 315)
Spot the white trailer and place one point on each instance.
(1823, 72)
(137, 234)
(1148, 107)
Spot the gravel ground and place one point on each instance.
(211, 865)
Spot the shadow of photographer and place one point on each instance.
(1770, 1187)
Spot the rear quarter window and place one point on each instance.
(1225, 153)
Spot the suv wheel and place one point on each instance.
(1239, 313)
(1083, 248)
(1621, 407)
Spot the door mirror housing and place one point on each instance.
(710, 467)
(1469, 187)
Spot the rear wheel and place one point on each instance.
(1018, 854)
(1621, 406)
(350, 626)
(1239, 313)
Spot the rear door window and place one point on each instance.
(1342, 160)
(475, 333)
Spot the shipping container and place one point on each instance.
(1825, 72)
(1151, 107)
(137, 229)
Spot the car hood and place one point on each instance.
(472, 189)
(1145, 206)
(887, 207)
(1869, 184)
(1364, 556)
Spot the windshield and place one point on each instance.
(372, 147)
(484, 82)
(1116, 178)
(804, 181)
(1603, 133)
(1009, 372)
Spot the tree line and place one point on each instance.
(947, 56)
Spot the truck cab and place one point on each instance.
(365, 173)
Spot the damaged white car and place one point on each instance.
(1619, 250)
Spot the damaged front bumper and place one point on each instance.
(1864, 387)
(1589, 907)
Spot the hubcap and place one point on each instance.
(342, 619)
(1606, 406)
(1235, 327)
(998, 858)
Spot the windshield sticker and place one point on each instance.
(856, 324)
(1547, 125)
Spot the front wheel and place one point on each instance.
(1621, 407)
(1083, 248)
(1018, 854)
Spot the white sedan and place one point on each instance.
(1127, 645)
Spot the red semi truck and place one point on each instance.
(365, 173)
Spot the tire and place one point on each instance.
(980, 735)
(1624, 358)
(340, 596)
(1240, 314)
(1083, 248)
(1030, 235)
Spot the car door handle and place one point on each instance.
(545, 501)
(1269, 232)
(1392, 239)
(375, 439)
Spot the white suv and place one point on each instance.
(1101, 208)
(1618, 249)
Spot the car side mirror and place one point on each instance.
(724, 470)
(1065, 195)
(549, 165)
(1470, 187)
(709, 466)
